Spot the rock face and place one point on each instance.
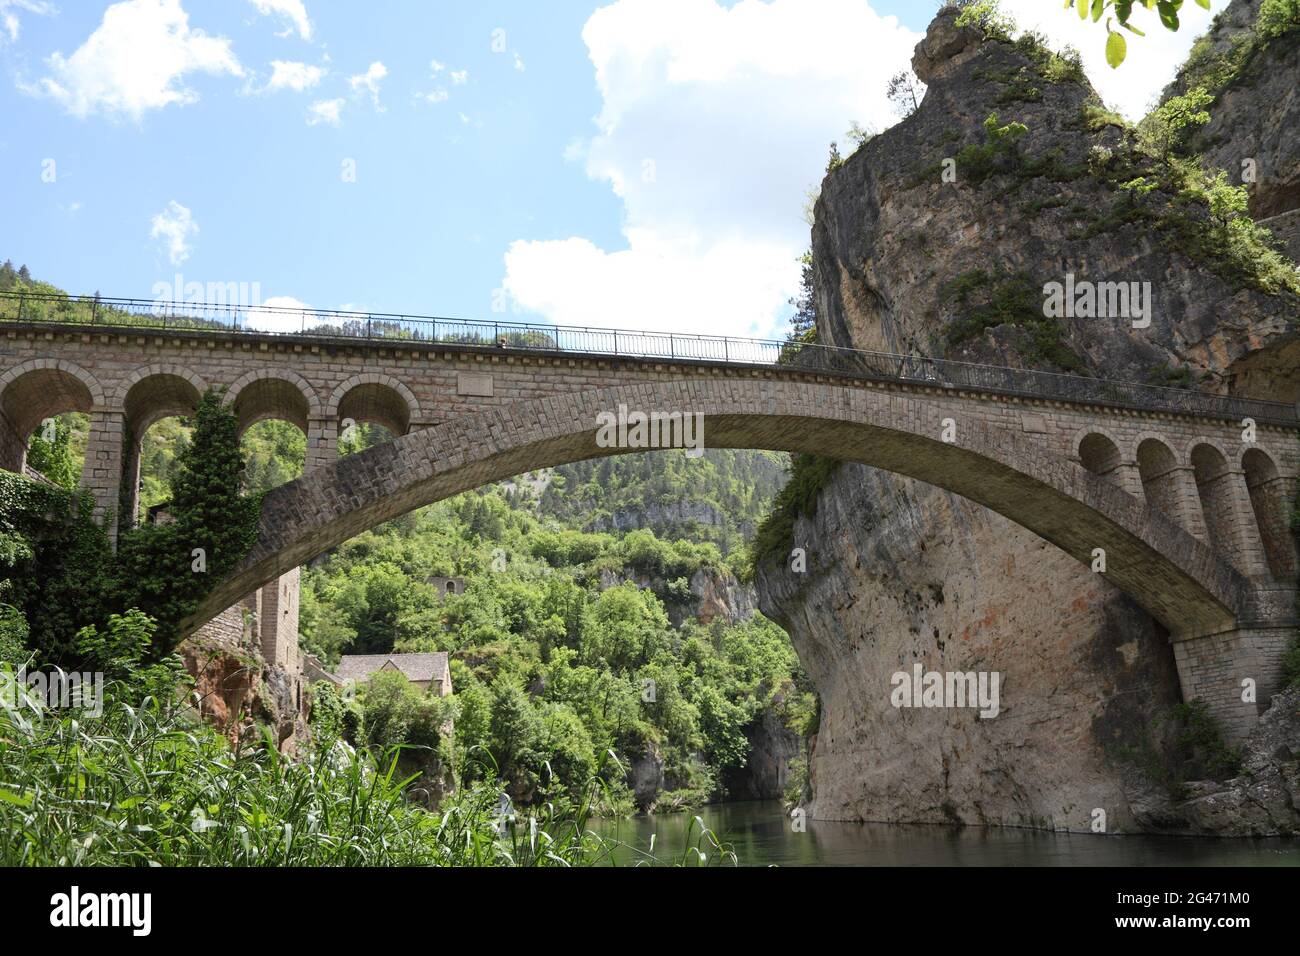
(1254, 136)
(1265, 799)
(238, 688)
(659, 515)
(773, 747)
(902, 573)
(713, 594)
(1256, 117)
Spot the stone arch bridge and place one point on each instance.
(1188, 494)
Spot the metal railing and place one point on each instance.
(394, 329)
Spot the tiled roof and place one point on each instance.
(416, 667)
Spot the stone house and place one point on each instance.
(427, 673)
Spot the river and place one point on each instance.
(761, 835)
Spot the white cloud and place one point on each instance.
(292, 11)
(135, 61)
(715, 121)
(440, 94)
(175, 226)
(325, 111)
(298, 77)
(1152, 60)
(369, 82)
(9, 14)
(262, 320)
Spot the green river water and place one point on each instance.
(761, 835)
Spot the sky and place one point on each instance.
(638, 164)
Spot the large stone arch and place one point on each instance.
(274, 393)
(375, 398)
(34, 391)
(1184, 583)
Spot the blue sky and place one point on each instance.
(640, 163)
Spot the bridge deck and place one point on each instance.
(432, 332)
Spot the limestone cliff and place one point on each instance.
(1254, 136)
(900, 572)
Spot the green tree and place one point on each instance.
(1170, 124)
(50, 453)
(166, 569)
(516, 735)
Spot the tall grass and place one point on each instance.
(147, 785)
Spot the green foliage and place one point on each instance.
(1167, 376)
(55, 457)
(775, 536)
(166, 569)
(160, 448)
(64, 576)
(141, 786)
(1216, 66)
(987, 301)
(1277, 18)
(335, 716)
(986, 15)
(1096, 117)
(803, 321)
(976, 162)
(1291, 664)
(1170, 125)
(122, 649)
(56, 564)
(13, 636)
(1200, 752)
(274, 453)
(716, 498)
(1119, 12)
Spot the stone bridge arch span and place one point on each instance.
(1183, 582)
(1192, 588)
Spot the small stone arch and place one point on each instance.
(1212, 469)
(1158, 469)
(280, 394)
(1100, 454)
(375, 398)
(1268, 491)
(34, 391)
(155, 392)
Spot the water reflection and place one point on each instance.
(761, 835)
